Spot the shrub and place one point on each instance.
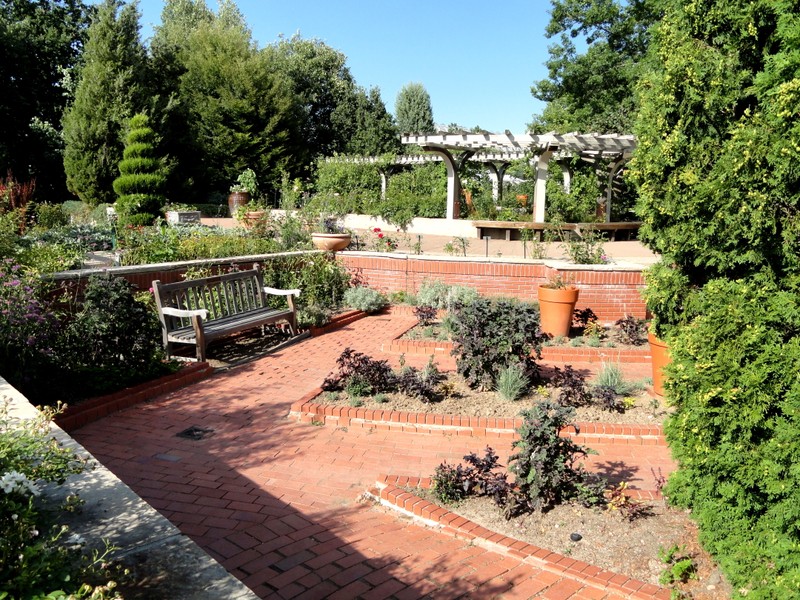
(733, 382)
(371, 376)
(544, 462)
(488, 335)
(422, 385)
(511, 383)
(111, 341)
(631, 330)
(50, 216)
(34, 560)
(140, 186)
(28, 331)
(572, 387)
(425, 315)
(452, 484)
(365, 299)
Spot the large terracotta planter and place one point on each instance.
(660, 357)
(556, 307)
(330, 241)
(252, 217)
(237, 200)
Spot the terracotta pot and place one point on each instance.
(660, 357)
(252, 217)
(330, 241)
(556, 307)
(236, 200)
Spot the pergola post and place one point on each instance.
(540, 187)
(453, 182)
(384, 172)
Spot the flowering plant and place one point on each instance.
(382, 242)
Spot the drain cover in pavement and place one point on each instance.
(195, 433)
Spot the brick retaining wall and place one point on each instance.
(611, 293)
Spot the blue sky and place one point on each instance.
(477, 59)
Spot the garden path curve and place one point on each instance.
(278, 502)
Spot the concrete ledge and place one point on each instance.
(165, 564)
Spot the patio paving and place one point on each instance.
(279, 503)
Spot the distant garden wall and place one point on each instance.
(611, 292)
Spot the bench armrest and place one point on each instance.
(179, 312)
(278, 292)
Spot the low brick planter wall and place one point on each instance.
(78, 415)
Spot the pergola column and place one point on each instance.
(497, 171)
(540, 187)
(453, 182)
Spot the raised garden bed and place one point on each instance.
(611, 551)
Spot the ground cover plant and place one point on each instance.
(37, 559)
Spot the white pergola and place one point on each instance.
(498, 150)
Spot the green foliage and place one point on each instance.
(413, 108)
(111, 341)
(611, 377)
(358, 185)
(733, 382)
(452, 484)
(108, 91)
(544, 462)
(50, 216)
(580, 204)
(715, 164)
(490, 334)
(680, 567)
(365, 125)
(141, 182)
(34, 557)
(41, 43)
(418, 192)
(365, 299)
(593, 90)
(512, 382)
(246, 182)
(320, 278)
(586, 249)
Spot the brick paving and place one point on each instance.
(279, 503)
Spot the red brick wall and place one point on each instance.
(611, 294)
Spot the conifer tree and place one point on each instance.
(141, 182)
(108, 91)
(413, 109)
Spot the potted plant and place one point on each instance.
(241, 192)
(659, 356)
(557, 300)
(329, 234)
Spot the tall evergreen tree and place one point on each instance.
(367, 126)
(40, 43)
(239, 110)
(108, 93)
(413, 109)
(140, 185)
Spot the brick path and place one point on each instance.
(277, 501)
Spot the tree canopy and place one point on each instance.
(41, 43)
(593, 90)
(413, 109)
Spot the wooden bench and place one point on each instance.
(198, 311)
(486, 227)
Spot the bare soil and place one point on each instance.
(608, 540)
(467, 402)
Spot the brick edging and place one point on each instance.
(78, 415)
(389, 493)
(306, 410)
(338, 322)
